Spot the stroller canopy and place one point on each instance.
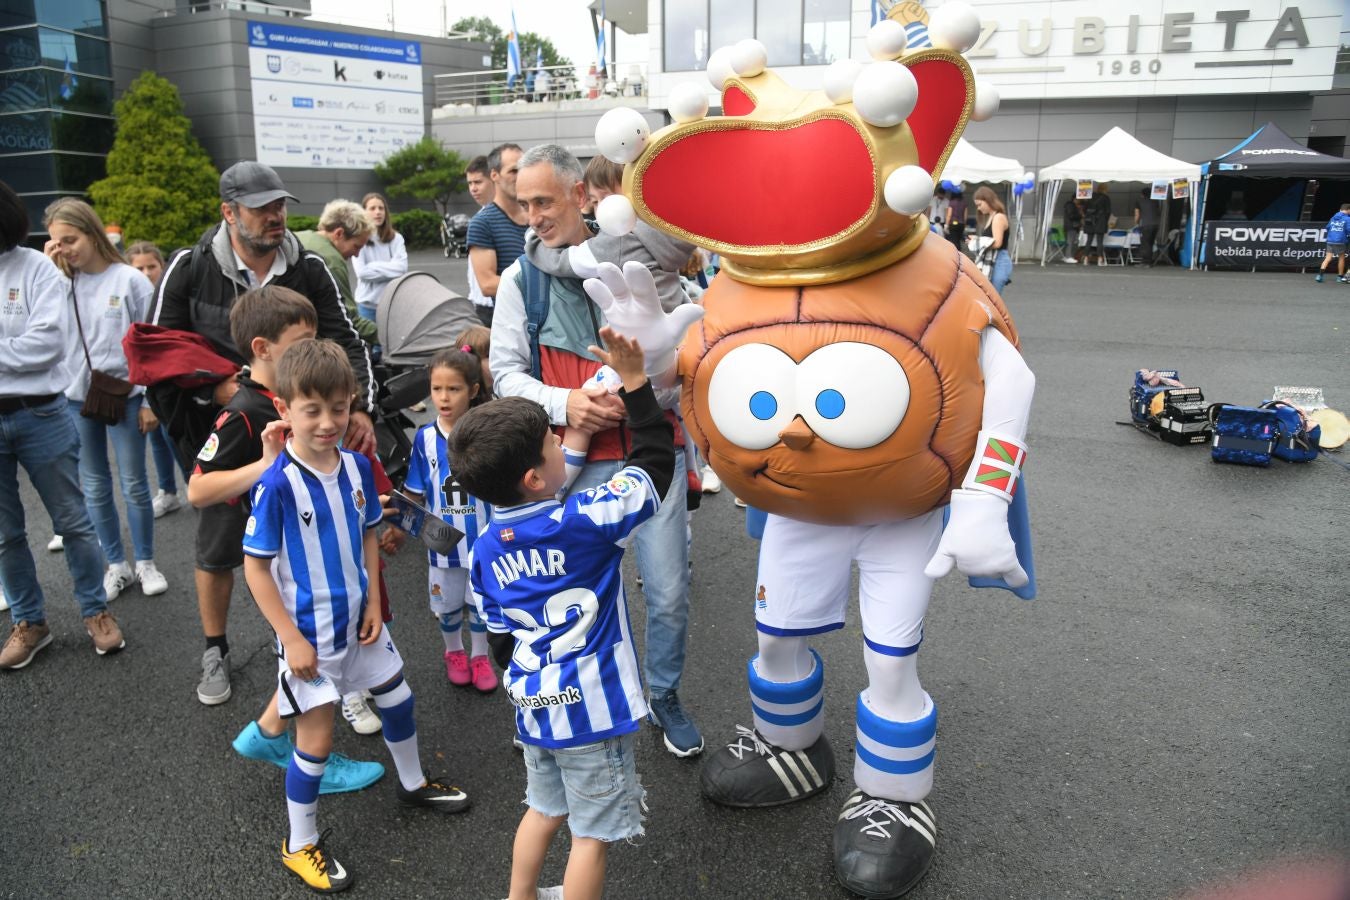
(418, 316)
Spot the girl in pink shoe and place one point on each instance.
(456, 384)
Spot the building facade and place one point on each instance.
(65, 62)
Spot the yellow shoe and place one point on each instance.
(317, 867)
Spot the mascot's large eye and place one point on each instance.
(852, 395)
(752, 395)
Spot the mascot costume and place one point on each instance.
(855, 377)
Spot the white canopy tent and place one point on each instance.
(1116, 156)
(969, 163)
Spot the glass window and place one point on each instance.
(33, 172)
(72, 15)
(17, 12)
(27, 47)
(23, 90)
(84, 134)
(778, 26)
(825, 34)
(85, 93)
(730, 21)
(686, 35)
(27, 132)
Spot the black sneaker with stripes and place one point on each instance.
(882, 848)
(750, 772)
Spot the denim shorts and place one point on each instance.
(595, 786)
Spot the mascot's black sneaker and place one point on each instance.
(883, 847)
(750, 772)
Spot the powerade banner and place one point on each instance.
(1264, 245)
(332, 99)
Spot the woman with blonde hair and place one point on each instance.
(107, 295)
(382, 260)
(994, 221)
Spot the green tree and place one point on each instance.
(161, 185)
(484, 29)
(424, 171)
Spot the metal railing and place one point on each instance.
(249, 6)
(557, 83)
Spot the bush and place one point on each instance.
(302, 223)
(420, 228)
(161, 185)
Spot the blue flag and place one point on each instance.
(68, 82)
(512, 53)
(600, 41)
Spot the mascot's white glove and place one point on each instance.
(976, 540)
(632, 307)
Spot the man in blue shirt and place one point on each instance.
(497, 231)
(1337, 230)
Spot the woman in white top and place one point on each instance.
(109, 295)
(382, 260)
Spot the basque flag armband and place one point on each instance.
(998, 465)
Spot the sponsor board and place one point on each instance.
(1264, 245)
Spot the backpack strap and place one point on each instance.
(536, 288)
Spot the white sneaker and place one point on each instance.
(165, 503)
(4, 601)
(56, 544)
(355, 711)
(711, 483)
(151, 579)
(1070, 260)
(118, 578)
(739, 502)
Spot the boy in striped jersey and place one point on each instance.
(311, 557)
(545, 576)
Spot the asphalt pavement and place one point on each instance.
(1170, 712)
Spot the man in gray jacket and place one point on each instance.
(250, 248)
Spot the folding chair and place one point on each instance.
(1055, 245)
(1118, 242)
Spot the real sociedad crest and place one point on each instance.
(259, 35)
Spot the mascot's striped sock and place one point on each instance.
(302, 797)
(400, 732)
(478, 642)
(451, 623)
(791, 714)
(895, 759)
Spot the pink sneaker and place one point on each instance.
(483, 677)
(457, 667)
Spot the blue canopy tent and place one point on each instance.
(1279, 168)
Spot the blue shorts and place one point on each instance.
(595, 786)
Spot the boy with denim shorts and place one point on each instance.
(546, 580)
(311, 564)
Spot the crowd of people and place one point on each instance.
(276, 452)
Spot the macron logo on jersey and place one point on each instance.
(510, 567)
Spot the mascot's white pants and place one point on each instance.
(803, 590)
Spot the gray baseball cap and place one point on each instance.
(252, 184)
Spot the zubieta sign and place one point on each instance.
(1264, 245)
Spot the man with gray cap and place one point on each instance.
(250, 248)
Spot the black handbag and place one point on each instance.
(106, 400)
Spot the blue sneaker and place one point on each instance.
(1318, 279)
(681, 734)
(342, 774)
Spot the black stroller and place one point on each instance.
(417, 316)
(455, 234)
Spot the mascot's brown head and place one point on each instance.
(834, 377)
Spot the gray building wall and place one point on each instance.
(206, 55)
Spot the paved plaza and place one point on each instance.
(1170, 711)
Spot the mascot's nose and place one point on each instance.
(798, 435)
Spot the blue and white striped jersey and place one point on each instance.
(312, 526)
(429, 475)
(548, 574)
